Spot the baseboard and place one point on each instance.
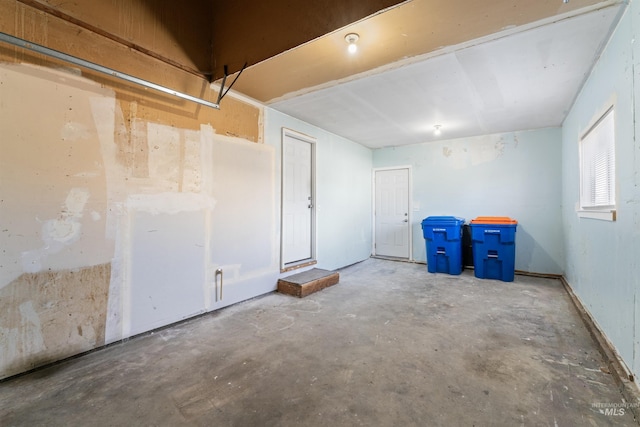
(540, 275)
(622, 375)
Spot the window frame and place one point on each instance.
(593, 136)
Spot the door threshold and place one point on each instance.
(391, 258)
(296, 266)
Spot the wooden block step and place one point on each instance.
(302, 284)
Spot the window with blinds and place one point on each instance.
(598, 165)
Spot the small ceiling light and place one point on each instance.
(437, 130)
(352, 39)
(565, 1)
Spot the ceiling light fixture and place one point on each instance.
(352, 39)
(437, 130)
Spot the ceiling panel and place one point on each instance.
(412, 29)
(524, 80)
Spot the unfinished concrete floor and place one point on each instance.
(390, 345)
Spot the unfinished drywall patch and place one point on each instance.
(54, 270)
(117, 154)
(151, 169)
(60, 232)
(51, 173)
(78, 171)
(191, 176)
(460, 154)
(207, 202)
(164, 148)
(51, 315)
(173, 158)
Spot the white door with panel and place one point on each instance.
(392, 226)
(297, 199)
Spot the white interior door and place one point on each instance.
(297, 199)
(392, 226)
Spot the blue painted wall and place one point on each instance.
(343, 191)
(512, 174)
(531, 176)
(602, 258)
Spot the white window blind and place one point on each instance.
(598, 165)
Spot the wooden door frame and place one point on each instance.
(409, 207)
(312, 141)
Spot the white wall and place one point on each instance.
(114, 224)
(603, 258)
(343, 191)
(512, 174)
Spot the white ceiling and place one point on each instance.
(522, 78)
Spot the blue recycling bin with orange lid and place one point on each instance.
(443, 238)
(493, 239)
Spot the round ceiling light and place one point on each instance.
(352, 39)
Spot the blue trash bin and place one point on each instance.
(494, 247)
(443, 238)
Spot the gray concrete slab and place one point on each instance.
(392, 346)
